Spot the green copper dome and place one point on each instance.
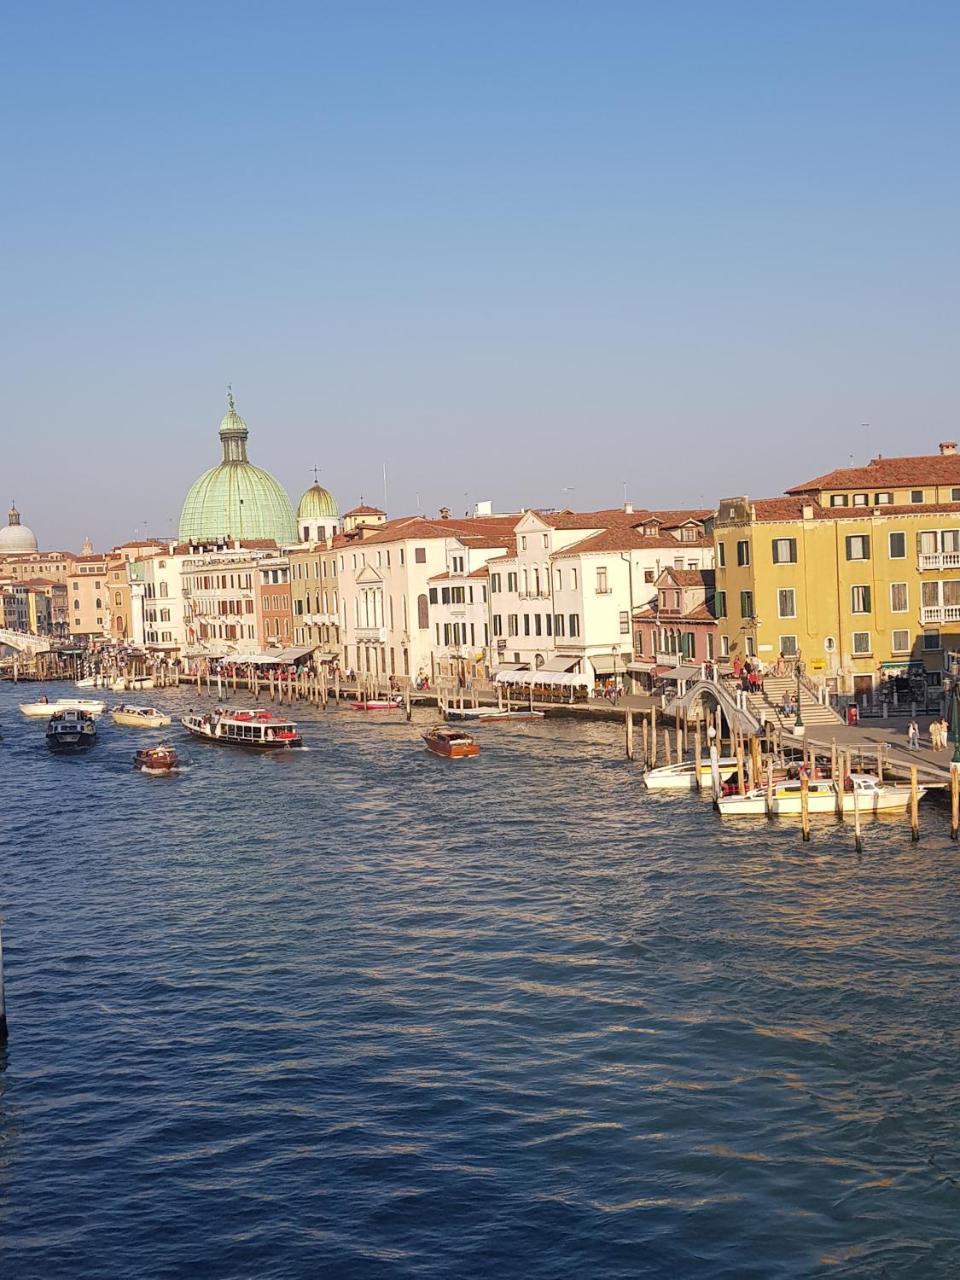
(236, 499)
(318, 504)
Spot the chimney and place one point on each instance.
(628, 508)
(806, 511)
(948, 448)
(444, 513)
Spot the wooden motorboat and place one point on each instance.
(71, 730)
(487, 715)
(455, 744)
(139, 717)
(125, 683)
(156, 759)
(863, 792)
(43, 709)
(261, 730)
(683, 776)
(379, 704)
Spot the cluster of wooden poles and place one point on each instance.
(751, 774)
(315, 688)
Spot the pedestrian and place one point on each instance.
(935, 741)
(913, 736)
(944, 733)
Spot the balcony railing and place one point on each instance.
(940, 613)
(941, 560)
(378, 634)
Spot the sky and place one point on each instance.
(543, 253)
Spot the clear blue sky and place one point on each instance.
(525, 251)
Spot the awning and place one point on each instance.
(908, 664)
(282, 657)
(512, 666)
(686, 672)
(606, 664)
(562, 679)
(559, 662)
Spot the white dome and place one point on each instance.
(16, 538)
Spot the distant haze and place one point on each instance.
(520, 252)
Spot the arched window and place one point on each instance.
(117, 599)
(99, 603)
(423, 613)
(163, 590)
(119, 624)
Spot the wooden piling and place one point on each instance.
(679, 741)
(628, 729)
(914, 805)
(857, 838)
(408, 702)
(805, 807)
(653, 738)
(954, 802)
(666, 746)
(836, 759)
(756, 772)
(646, 740)
(697, 746)
(880, 763)
(741, 767)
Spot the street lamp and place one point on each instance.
(799, 671)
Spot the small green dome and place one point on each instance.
(318, 504)
(236, 499)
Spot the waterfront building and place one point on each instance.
(315, 597)
(459, 605)
(857, 572)
(15, 537)
(22, 566)
(164, 605)
(28, 606)
(221, 586)
(88, 601)
(236, 500)
(363, 517)
(679, 627)
(273, 606)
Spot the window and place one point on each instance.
(458, 562)
(511, 581)
(720, 604)
(433, 595)
(955, 495)
(901, 642)
(916, 495)
(861, 499)
(512, 624)
(526, 624)
(721, 555)
(898, 597)
(164, 615)
(931, 640)
(573, 579)
(743, 553)
(117, 598)
(548, 623)
(861, 642)
(883, 499)
(788, 646)
(689, 533)
(724, 646)
(638, 642)
(537, 624)
(558, 579)
(423, 613)
(420, 555)
(930, 594)
(602, 587)
(786, 602)
(558, 624)
(858, 546)
(624, 623)
(898, 546)
(523, 542)
(750, 646)
(746, 604)
(494, 582)
(546, 540)
(163, 590)
(574, 624)
(860, 599)
(784, 551)
(839, 500)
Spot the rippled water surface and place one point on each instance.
(357, 1011)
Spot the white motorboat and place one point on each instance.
(487, 715)
(43, 710)
(71, 731)
(683, 776)
(139, 717)
(243, 727)
(92, 682)
(125, 683)
(864, 792)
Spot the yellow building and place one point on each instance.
(315, 596)
(857, 572)
(88, 600)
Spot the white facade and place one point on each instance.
(220, 590)
(163, 622)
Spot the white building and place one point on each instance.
(157, 582)
(220, 587)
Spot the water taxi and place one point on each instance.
(454, 744)
(864, 792)
(139, 717)
(43, 709)
(379, 704)
(683, 776)
(71, 731)
(126, 683)
(156, 760)
(241, 727)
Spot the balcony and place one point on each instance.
(937, 613)
(940, 560)
(376, 634)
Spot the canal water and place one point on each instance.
(357, 1011)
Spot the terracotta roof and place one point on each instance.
(677, 517)
(40, 582)
(778, 510)
(482, 571)
(483, 531)
(365, 511)
(705, 578)
(699, 613)
(924, 469)
(439, 577)
(629, 539)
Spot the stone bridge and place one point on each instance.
(24, 641)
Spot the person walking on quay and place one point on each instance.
(936, 736)
(913, 736)
(944, 733)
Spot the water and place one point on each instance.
(357, 1011)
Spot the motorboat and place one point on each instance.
(127, 683)
(487, 715)
(43, 709)
(862, 791)
(261, 730)
(93, 682)
(455, 744)
(379, 704)
(156, 759)
(71, 731)
(139, 717)
(683, 776)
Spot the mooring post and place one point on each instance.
(646, 741)
(857, 838)
(914, 805)
(805, 807)
(628, 726)
(954, 801)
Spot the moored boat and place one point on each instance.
(139, 717)
(156, 759)
(43, 709)
(454, 744)
(683, 776)
(378, 704)
(71, 730)
(487, 715)
(125, 683)
(241, 727)
(863, 792)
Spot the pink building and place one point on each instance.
(680, 628)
